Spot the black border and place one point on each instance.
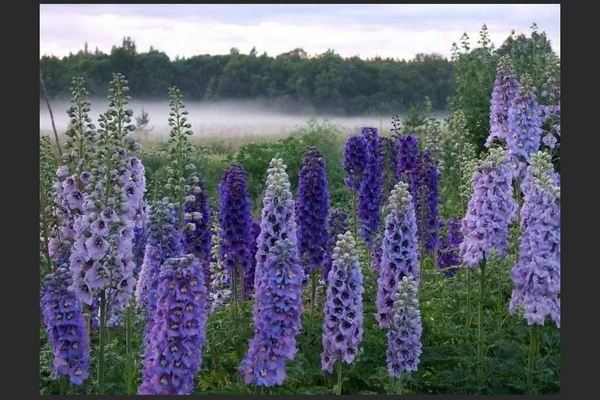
(21, 176)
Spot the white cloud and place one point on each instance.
(398, 31)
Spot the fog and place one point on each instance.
(215, 119)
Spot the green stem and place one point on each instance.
(534, 343)
(338, 389)
(101, 343)
(313, 296)
(354, 216)
(480, 323)
(468, 296)
(128, 349)
(399, 391)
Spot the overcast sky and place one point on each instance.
(390, 30)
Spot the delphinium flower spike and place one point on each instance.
(432, 141)
(536, 276)
(48, 221)
(551, 99)
(278, 284)
(399, 257)
(173, 355)
(406, 160)
(337, 224)
(276, 316)
(404, 337)
(504, 92)
(65, 327)
(236, 237)
(371, 187)
(355, 161)
(196, 210)
(426, 202)
(489, 211)
(219, 290)
(448, 259)
(524, 127)
(343, 321)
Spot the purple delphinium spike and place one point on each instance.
(65, 327)
(277, 215)
(139, 244)
(236, 223)
(505, 90)
(312, 209)
(524, 127)
(276, 316)
(343, 323)
(163, 242)
(371, 187)
(404, 337)
(197, 241)
(355, 160)
(536, 276)
(337, 224)
(551, 99)
(448, 257)
(490, 210)
(407, 157)
(173, 355)
(426, 201)
(399, 255)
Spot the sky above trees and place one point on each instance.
(386, 30)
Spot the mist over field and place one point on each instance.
(217, 119)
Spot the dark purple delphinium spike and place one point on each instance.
(407, 157)
(173, 355)
(399, 255)
(524, 127)
(355, 160)
(505, 90)
(404, 337)
(197, 241)
(536, 277)
(426, 203)
(490, 210)
(276, 316)
(389, 147)
(371, 187)
(337, 224)
(139, 244)
(312, 210)
(65, 327)
(236, 222)
(163, 242)
(343, 323)
(448, 258)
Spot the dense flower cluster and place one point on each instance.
(490, 210)
(406, 160)
(173, 355)
(65, 327)
(404, 337)
(163, 242)
(343, 323)
(355, 160)
(277, 215)
(312, 209)
(432, 141)
(219, 289)
(371, 187)
(389, 151)
(524, 127)
(504, 92)
(337, 224)
(236, 223)
(447, 254)
(276, 316)
(139, 246)
(101, 259)
(551, 98)
(426, 201)
(536, 277)
(197, 241)
(399, 256)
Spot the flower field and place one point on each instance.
(397, 260)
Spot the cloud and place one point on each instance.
(399, 31)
